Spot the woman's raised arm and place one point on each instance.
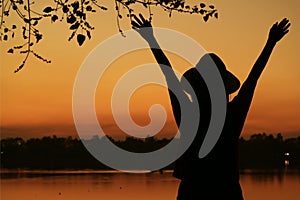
(144, 28)
(244, 97)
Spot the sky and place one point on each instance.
(37, 101)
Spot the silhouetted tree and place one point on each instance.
(263, 150)
(76, 13)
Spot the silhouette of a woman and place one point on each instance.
(215, 176)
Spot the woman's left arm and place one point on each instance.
(277, 32)
(243, 100)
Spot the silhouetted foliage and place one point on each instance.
(76, 13)
(260, 151)
(267, 151)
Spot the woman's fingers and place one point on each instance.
(285, 32)
(279, 30)
(282, 26)
(142, 18)
(287, 26)
(134, 24)
(283, 23)
(135, 28)
(138, 20)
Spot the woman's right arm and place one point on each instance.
(144, 28)
(244, 98)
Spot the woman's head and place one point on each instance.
(198, 84)
(230, 81)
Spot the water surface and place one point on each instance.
(85, 185)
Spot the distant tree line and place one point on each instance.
(259, 151)
(266, 151)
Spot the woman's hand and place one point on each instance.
(279, 30)
(143, 27)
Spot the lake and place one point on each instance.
(111, 185)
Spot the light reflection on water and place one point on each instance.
(83, 185)
(273, 185)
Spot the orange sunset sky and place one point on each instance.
(37, 101)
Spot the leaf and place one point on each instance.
(65, 9)
(71, 36)
(88, 33)
(205, 18)
(216, 15)
(84, 16)
(80, 39)
(48, 9)
(166, 1)
(19, 47)
(75, 5)
(38, 37)
(79, 13)
(26, 20)
(20, 67)
(54, 18)
(176, 4)
(74, 26)
(10, 51)
(202, 5)
(89, 8)
(35, 23)
(71, 19)
(182, 4)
